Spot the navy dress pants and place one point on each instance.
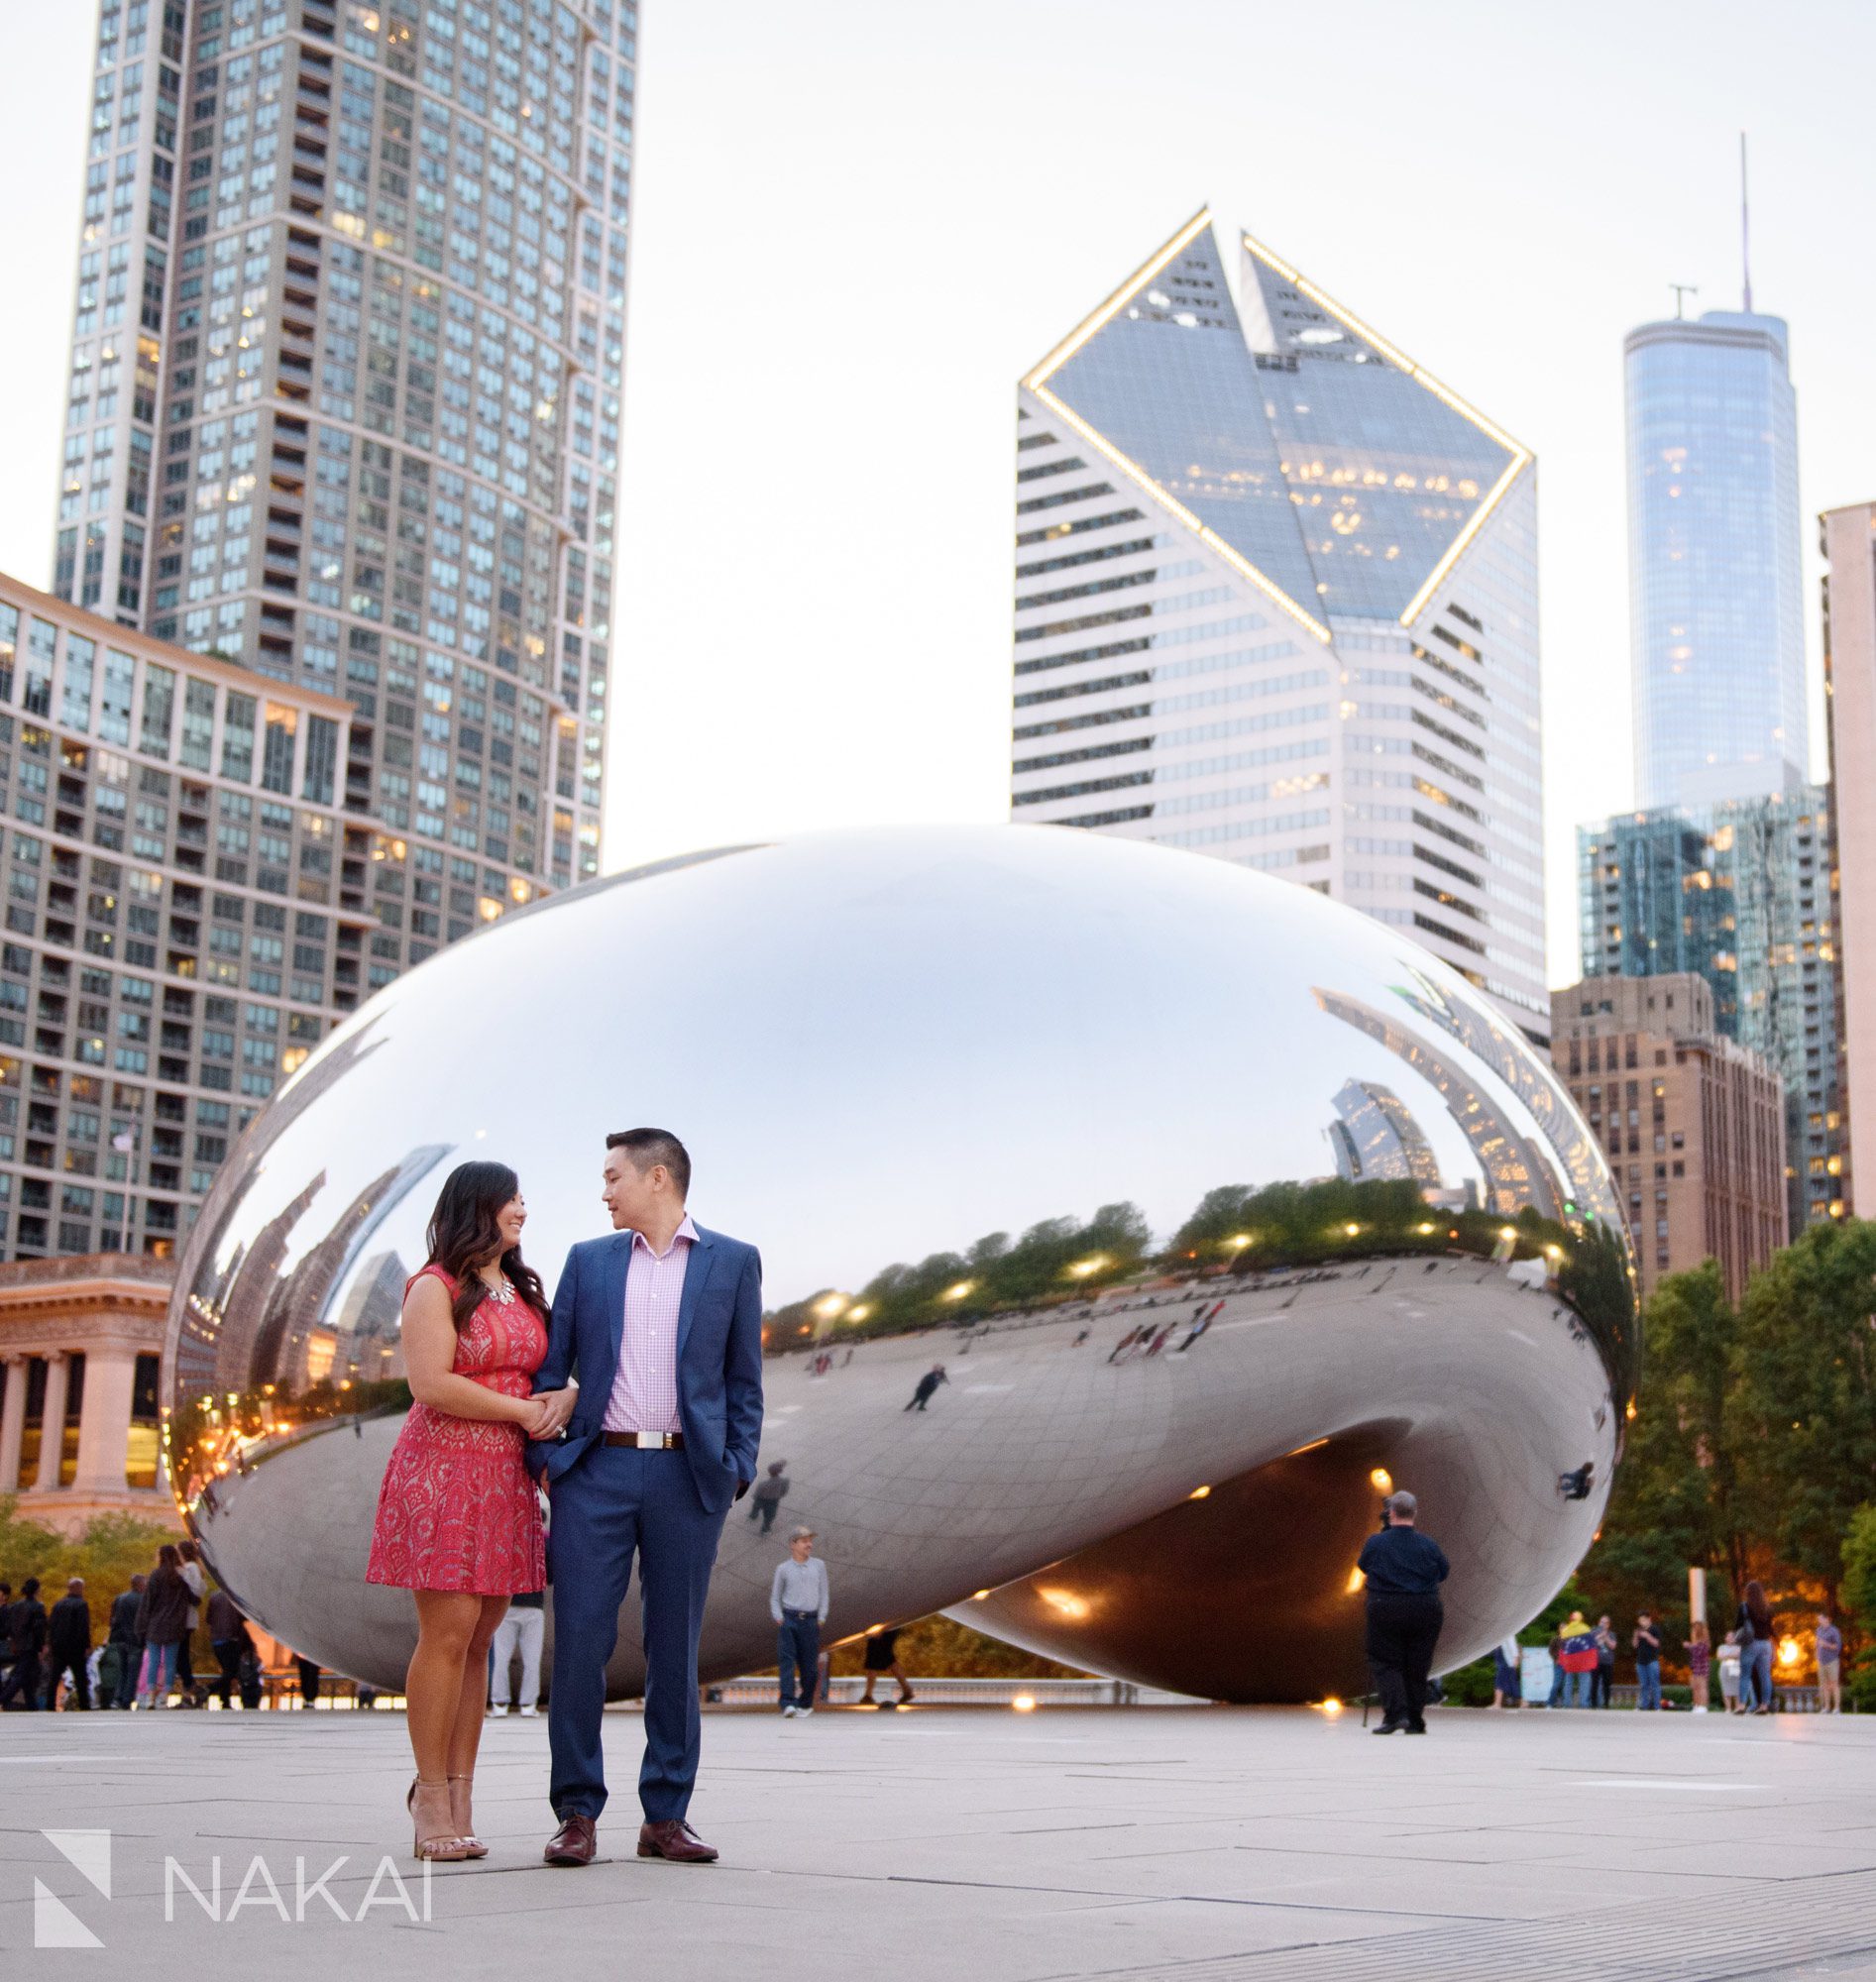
(798, 1656)
(615, 1505)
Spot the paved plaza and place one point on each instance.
(1207, 1845)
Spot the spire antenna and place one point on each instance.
(1745, 226)
(1682, 290)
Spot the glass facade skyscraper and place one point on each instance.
(1739, 893)
(1716, 603)
(344, 399)
(1276, 599)
(342, 422)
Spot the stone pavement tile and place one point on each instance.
(1768, 1855)
(958, 1846)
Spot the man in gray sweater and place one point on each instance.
(797, 1601)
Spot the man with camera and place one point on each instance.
(1402, 1570)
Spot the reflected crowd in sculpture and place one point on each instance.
(1128, 1218)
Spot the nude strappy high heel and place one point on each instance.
(477, 1848)
(443, 1845)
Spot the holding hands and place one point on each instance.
(545, 1415)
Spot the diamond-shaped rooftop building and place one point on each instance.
(1339, 497)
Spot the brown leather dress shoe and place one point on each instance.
(674, 1838)
(574, 1843)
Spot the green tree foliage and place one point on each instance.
(1805, 1396)
(1677, 1498)
(112, 1549)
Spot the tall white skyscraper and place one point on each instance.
(1276, 599)
(1716, 631)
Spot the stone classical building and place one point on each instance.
(80, 1347)
(1693, 1122)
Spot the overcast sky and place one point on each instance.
(856, 226)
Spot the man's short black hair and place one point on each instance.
(647, 1147)
(30, 1588)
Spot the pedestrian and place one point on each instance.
(68, 1645)
(1579, 1659)
(1159, 1342)
(927, 1385)
(5, 1641)
(228, 1640)
(26, 1638)
(309, 1671)
(193, 1576)
(459, 1519)
(110, 1683)
(1403, 1570)
(520, 1629)
(1753, 1631)
(797, 1601)
(1126, 1341)
(1507, 1685)
(1699, 1660)
(1559, 1673)
(162, 1612)
(1830, 1665)
(770, 1492)
(1603, 1680)
(882, 1656)
(122, 1632)
(1646, 1640)
(1726, 1653)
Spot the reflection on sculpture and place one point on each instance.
(909, 1063)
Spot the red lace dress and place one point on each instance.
(457, 1510)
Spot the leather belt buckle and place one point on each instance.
(653, 1441)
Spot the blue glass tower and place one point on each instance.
(1716, 611)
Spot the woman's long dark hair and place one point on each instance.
(1758, 1610)
(464, 1236)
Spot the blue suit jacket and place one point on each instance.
(719, 1357)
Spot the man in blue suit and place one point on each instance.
(660, 1326)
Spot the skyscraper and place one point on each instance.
(1740, 894)
(187, 911)
(1715, 603)
(344, 402)
(343, 424)
(1849, 672)
(1276, 597)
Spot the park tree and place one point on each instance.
(1805, 1397)
(1677, 1500)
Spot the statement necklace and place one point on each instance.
(503, 1296)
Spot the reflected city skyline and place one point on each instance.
(900, 1062)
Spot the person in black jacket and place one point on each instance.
(26, 1637)
(68, 1639)
(1402, 1570)
(129, 1640)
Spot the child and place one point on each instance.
(1700, 1658)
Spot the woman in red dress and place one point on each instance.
(459, 1521)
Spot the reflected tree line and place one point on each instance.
(1233, 1233)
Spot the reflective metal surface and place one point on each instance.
(990, 1099)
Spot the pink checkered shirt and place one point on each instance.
(645, 1386)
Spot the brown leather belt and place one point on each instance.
(651, 1441)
